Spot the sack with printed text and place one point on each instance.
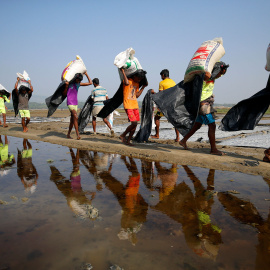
(204, 58)
(72, 68)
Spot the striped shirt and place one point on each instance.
(99, 94)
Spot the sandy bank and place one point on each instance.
(157, 150)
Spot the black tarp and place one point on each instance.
(84, 116)
(146, 119)
(56, 99)
(112, 103)
(15, 98)
(246, 114)
(180, 104)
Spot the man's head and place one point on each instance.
(164, 74)
(139, 76)
(79, 78)
(95, 82)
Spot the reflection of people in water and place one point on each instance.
(6, 160)
(193, 212)
(134, 208)
(245, 212)
(168, 179)
(26, 170)
(76, 198)
(95, 163)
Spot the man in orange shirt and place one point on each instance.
(131, 91)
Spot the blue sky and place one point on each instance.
(41, 37)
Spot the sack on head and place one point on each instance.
(72, 68)
(204, 58)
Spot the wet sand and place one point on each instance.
(156, 150)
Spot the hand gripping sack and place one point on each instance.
(73, 67)
(267, 67)
(128, 62)
(204, 58)
(23, 80)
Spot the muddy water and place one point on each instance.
(64, 208)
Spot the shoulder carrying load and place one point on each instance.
(204, 58)
(267, 67)
(24, 78)
(128, 62)
(73, 67)
(4, 91)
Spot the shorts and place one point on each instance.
(24, 113)
(27, 153)
(133, 115)
(3, 110)
(159, 114)
(73, 107)
(96, 110)
(206, 119)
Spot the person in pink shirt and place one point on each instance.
(71, 91)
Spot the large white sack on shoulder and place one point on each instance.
(76, 66)
(204, 59)
(122, 57)
(267, 67)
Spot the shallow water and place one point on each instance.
(65, 208)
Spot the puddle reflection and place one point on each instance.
(152, 206)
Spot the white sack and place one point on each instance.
(128, 62)
(24, 78)
(204, 58)
(73, 67)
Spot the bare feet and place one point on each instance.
(68, 136)
(154, 136)
(266, 159)
(184, 145)
(217, 153)
(5, 125)
(25, 130)
(129, 144)
(123, 139)
(177, 140)
(79, 137)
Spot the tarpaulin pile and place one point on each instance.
(247, 113)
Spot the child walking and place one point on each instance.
(71, 91)
(3, 98)
(131, 91)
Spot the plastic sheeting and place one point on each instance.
(180, 104)
(146, 119)
(56, 99)
(85, 114)
(246, 114)
(112, 103)
(15, 98)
